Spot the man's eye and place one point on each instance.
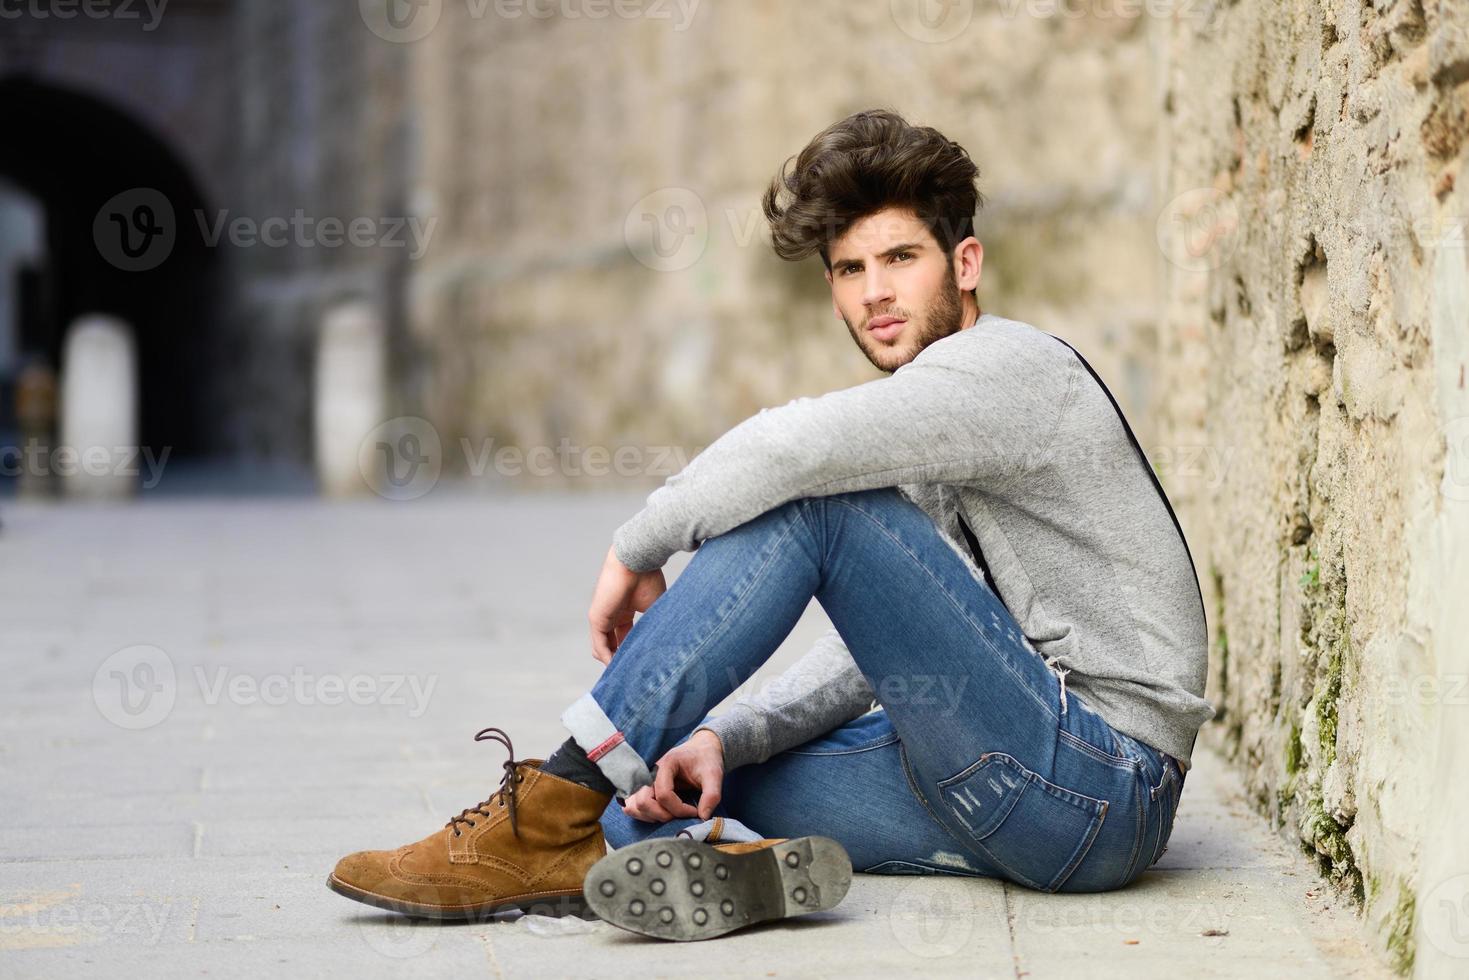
(903, 255)
(849, 269)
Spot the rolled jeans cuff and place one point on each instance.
(605, 746)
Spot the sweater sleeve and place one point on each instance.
(821, 691)
(958, 412)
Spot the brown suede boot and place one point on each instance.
(681, 889)
(528, 847)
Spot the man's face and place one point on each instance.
(896, 290)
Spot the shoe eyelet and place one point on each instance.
(458, 834)
(471, 823)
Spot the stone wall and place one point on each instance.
(1313, 344)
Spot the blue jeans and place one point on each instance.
(978, 763)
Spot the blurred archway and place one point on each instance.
(121, 236)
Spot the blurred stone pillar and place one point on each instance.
(349, 395)
(97, 454)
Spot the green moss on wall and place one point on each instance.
(1327, 701)
(1294, 754)
(1334, 857)
(1310, 579)
(1400, 946)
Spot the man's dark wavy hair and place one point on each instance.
(869, 161)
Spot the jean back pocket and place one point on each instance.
(1037, 831)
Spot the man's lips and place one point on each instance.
(883, 321)
(885, 327)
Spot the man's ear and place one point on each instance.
(968, 261)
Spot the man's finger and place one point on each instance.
(709, 799)
(601, 650)
(666, 795)
(646, 809)
(633, 804)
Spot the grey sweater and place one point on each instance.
(1003, 423)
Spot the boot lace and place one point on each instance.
(502, 797)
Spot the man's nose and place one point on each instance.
(877, 289)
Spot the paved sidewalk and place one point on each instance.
(210, 701)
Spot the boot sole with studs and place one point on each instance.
(681, 889)
(554, 904)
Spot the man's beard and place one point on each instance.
(938, 320)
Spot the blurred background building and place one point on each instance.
(562, 227)
(524, 223)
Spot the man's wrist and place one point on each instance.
(712, 739)
(742, 734)
(614, 560)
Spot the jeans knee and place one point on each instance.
(797, 509)
(876, 495)
(876, 499)
(882, 506)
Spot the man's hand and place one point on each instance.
(697, 763)
(620, 593)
